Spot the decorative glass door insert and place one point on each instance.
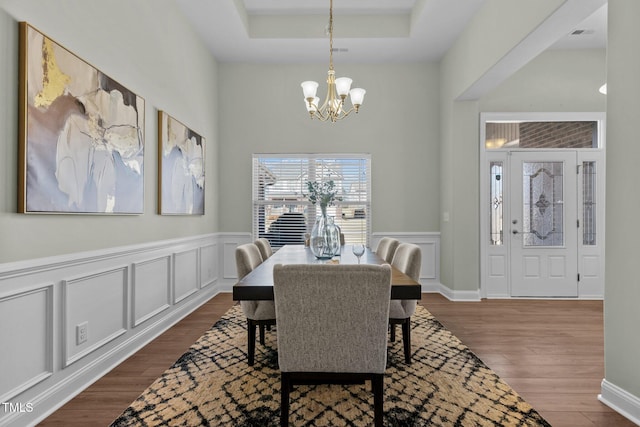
(543, 209)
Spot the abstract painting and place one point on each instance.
(181, 168)
(81, 134)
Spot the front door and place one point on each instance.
(543, 226)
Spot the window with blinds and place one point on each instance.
(281, 211)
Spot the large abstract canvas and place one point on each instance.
(181, 168)
(81, 134)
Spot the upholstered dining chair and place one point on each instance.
(387, 248)
(258, 313)
(265, 248)
(342, 336)
(408, 259)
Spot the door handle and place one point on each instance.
(514, 232)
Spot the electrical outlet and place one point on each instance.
(81, 333)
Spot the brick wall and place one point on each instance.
(557, 134)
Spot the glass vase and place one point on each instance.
(325, 238)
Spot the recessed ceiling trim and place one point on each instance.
(321, 7)
(312, 26)
(434, 27)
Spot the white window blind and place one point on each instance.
(282, 213)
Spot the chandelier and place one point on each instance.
(338, 90)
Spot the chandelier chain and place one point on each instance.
(331, 35)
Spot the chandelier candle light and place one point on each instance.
(337, 92)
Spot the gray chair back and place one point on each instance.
(265, 248)
(387, 248)
(332, 318)
(258, 313)
(247, 258)
(408, 259)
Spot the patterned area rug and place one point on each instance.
(212, 385)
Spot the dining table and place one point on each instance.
(258, 285)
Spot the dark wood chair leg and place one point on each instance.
(377, 383)
(406, 338)
(262, 326)
(392, 326)
(285, 387)
(251, 341)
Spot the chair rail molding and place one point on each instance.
(68, 320)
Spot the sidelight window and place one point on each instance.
(495, 202)
(589, 203)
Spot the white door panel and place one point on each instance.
(543, 228)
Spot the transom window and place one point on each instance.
(281, 211)
(541, 135)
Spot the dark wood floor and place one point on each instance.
(550, 352)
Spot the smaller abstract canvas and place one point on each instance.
(180, 168)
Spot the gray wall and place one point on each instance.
(622, 291)
(262, 111)
(554, 81)
(148, 48)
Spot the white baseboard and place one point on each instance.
(620, 401)
(454, 295)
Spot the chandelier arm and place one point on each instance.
(346, 113)
(327, 116)
(321, 117)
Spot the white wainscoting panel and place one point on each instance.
(185, 274)
(25, 322)
(125, 295)
(122, 295)
(98, 300)
(229, 266)
(151, 288)
(429, 244)
(208, 265)
(230, 241)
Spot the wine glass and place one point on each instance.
(358, 250)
